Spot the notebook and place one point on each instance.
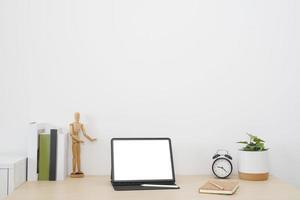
(219, 187)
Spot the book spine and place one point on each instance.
(53, 154)
(32, 149)
(62, 151)
(44, 156)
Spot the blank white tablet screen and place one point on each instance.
(142, 160)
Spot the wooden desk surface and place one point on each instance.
(99, 187)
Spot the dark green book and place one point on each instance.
(44, 157)
(53, 154)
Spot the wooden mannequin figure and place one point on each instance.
(75, 128)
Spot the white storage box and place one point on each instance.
(12, 173)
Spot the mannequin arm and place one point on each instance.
(86, 135)
(74, 137)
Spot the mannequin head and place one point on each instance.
(77, 116)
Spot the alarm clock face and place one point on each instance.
(222, 167)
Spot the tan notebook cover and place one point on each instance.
(219, 187)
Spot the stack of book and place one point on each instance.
(47, 153)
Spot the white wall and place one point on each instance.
(13, 80)
(200, 72)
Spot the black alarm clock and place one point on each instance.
(222, 166)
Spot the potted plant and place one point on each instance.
(253, 160)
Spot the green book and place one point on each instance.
(44, 156)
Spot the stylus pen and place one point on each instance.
(161, 186)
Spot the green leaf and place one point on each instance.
(256, 139)
(254, 144)
(243, 142)
(251, 136)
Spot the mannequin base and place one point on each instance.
(77, 175)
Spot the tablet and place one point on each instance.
(137, 162)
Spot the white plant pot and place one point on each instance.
(253, 165)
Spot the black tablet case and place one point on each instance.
(125, 186)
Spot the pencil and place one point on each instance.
(218, 186)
